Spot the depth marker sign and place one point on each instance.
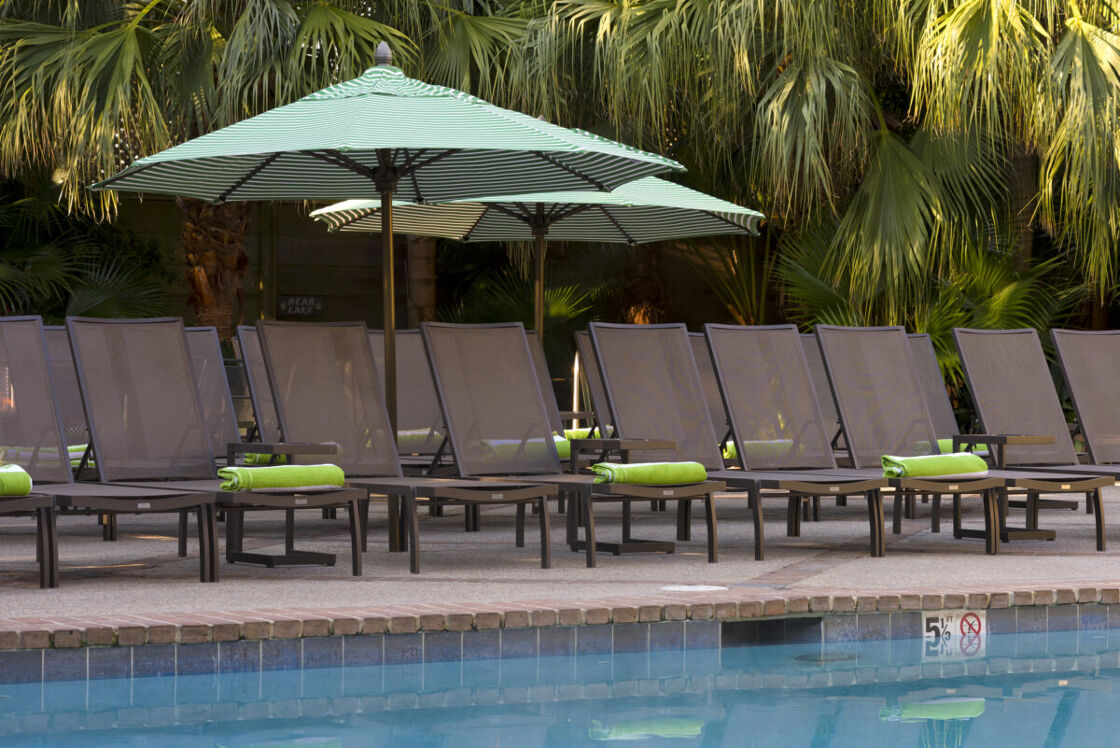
(953, 635)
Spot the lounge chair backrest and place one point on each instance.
(141, 399)
(593, 378)
(1013, 392)
(933, 385)
(1090, 361)
(654, 390)
(812, 350)
(703, 359)
(765, 381)
(544, 376)
(417, 401)
(213, 388)
(264, 410)
(497, 421)
(877, 394)
(325, 389)
(67, 394)
(30, 428)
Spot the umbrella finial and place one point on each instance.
(383, 55)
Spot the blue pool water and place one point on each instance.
(1056, 689)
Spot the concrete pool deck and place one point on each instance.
(137, 590)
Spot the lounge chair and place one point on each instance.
(213, 388)
(654, 388)
(325, 388)
(147, 430)
(32, 429)
(68, 395)
(593, 379)
(827, 404)
(704, 365)
(264, 410)
(933, 386)
(1090, 361)
(499, 427)
(1013, 391)
(883, 412)
(548, 390)
(421, 440)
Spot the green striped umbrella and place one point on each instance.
(384, 134)
(645, 210)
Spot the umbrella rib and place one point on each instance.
(337, 159)
(245, 179)
(524, 218)
(571, 211)
(126, 173)
(485, 210)
(414, 167)
(574, 172)
(617, 225)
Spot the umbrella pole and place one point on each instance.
(538, 286)
(389, 306)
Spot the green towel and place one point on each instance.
(650, 473)
(953, 465)
(563, 447)
(945, 446)
(765, 450)
(14, 481)
(587, 433)
(415, 440)
(281, 476)
(256, 458)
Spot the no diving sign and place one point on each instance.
(953, 634)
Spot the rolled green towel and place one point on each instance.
(563, 447)
(587, 433)
(953, 465)
(14, 481)
(257, 458)
(650, 473)
(281, 476)
(945, 446)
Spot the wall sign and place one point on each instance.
(299, 306)
(953, 634)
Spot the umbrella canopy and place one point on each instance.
(384, 134)
(645, 210)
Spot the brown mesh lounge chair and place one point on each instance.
(147, 430)
(654, 387)
(883, 411)
(421, 441)
(812, 352)
(325, 388)
(1090, 361)
(32, 429)
(264, 410)
(933, 386)
(213, 388)
(60, 359)
(705, 367)
(593, 378)
(548, 390)
(1018, 396)
(498, 426)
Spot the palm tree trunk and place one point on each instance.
(1101, 306)
(1022, 190)
(214, 250)
(421, 263)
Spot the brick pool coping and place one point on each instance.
(732, 605)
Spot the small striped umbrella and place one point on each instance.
(384, 134)
(645, 210)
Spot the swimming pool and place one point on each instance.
(1060, 688)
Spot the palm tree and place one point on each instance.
(88, 86)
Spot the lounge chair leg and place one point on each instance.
(793, 515)
(911, 508)
(476, 518)
(204, 571)
(182, 534)
(413, 530)
(570, 533)
(356, 536)
(992, 524)
(363, 509)
(212, 532)
(710, 518)
(896, 519)
(875, 517)
(816, 508)
(626, 509)
(957, 514)
(684, 519)
(234, 521)
(841, 501)
(1032, 510)
(546, 546)
(1088, 505)
(395, 533)
(468, 520)
(1094, 498)
(588, 514)
(804, 508)
(289, 530)
(52, 546)
(561, 507)
(41, 553)
(755, 503)
(934, 513)
(520, 524)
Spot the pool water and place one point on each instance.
(1056, 689)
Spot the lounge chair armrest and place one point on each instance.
(278, 448)
(625, 446)
(1002, 439)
